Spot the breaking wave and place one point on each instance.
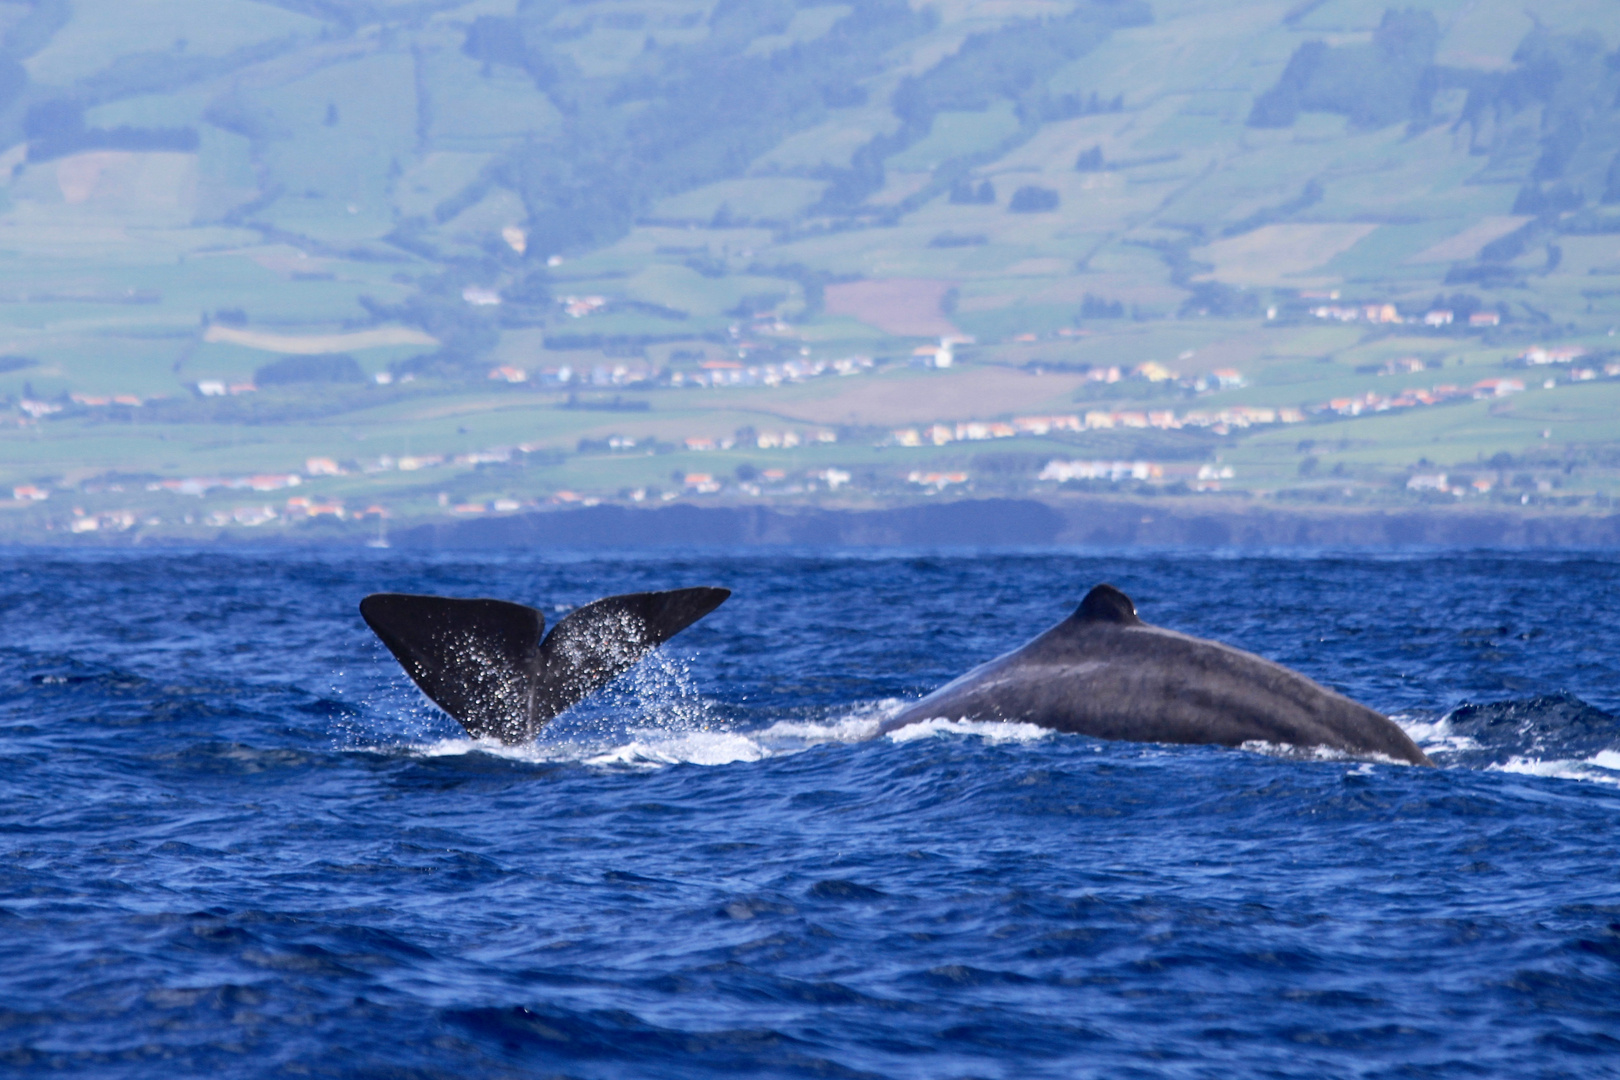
(1553, 735)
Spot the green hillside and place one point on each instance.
(479, 255)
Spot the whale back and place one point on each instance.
(1105, 673)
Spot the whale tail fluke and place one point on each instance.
(486, 664)
(474, 658)
(594, 644)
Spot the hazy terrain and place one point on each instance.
(275, 264)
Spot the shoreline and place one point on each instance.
(1198, 523)
(1080, 522)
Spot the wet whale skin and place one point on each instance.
(1103, 672)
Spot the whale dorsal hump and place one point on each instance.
(1106, 604)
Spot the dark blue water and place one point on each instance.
(236, 841)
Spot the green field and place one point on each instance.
(637, 194)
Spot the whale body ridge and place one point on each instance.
(1105, 673)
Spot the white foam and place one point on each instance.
(849, 729)
(993, 731)
(1319, 753)
(1596, 769)
(1434, 736)
(455, 747)
(677, 732)
(858, 725)
(1605, 759)
(644, 748)
(1419, 731)
(532, 752)
(655, 749)
(681, 737)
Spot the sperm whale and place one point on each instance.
(1105, 673)
(1101, 672)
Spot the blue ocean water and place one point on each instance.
(237, 841)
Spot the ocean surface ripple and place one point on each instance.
(237, 841)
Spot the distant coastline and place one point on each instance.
(1087, 521)
(1081, 522)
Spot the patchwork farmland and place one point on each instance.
(286, 266)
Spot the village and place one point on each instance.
(1563, 364)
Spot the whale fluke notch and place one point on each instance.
(484, 661)
(1104, 603)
